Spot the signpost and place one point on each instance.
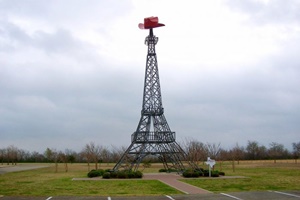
(210, 163)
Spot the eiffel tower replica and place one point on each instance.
(153, 135)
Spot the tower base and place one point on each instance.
(170, 154)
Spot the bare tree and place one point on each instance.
(195, 150)
(117, 153)
(105, 155)
(223, 155)
(2, 155)
(256, 151)
(71, 155)
(296, 150)
(86, 157)
(21, 154)
(252, 150)
(277, 151)
(93, 152)
(37, 157)
(63, 158)
(12, 155)
(52, 155)
(48, 154)
(213, 150)
(262, 152)
(237, 153)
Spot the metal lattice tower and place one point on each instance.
(153, 135)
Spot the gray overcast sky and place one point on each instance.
(72, 71)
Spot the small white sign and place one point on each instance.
(210, 163)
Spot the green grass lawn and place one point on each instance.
(46, 182)
(259, 176)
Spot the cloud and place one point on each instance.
(266, 12)
(72, 72)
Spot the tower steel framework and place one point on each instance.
(153, 135)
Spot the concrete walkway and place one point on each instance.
(172, 181)
(20, 167)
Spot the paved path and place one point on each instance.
(172, 180)
(15, 168)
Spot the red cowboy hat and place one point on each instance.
(150, 22)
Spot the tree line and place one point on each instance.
(196, 151)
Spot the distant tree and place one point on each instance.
(48, 154)
(86, 156)
(63, 157)
(22, 155)
(27, 156)
(52, 155)
(105, 155)
(252, 150)
(296, 150)
(93, 152)
(262, 152)
(213, 150)
(71, 158)
(277, 151)
(196, 151)
(2, 155)
(237, 153)
(223, 155)
(12, 155)
(71, 155)
(117, 153)
(37, 157)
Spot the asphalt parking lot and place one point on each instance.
(274, 195)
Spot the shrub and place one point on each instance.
(172, 170)
(200, 171)
(190, 174)
(95, 173)
(138, 174)
(113, 174)
(162, 170)
(131, 174)
(167, 170)
(214, 174)
(222, 173)
(187, 174)
(122, 174)
(205, 172)
(106, 175)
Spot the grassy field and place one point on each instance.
(261, 175)
(46, 182)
